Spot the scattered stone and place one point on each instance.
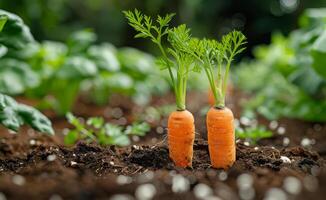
(273, 125)
(222, 176)
(305, 142)
(246, 143)
(2, 196)
(292, 185)
(285, 159)
(256, 148)
(123, 180)
(116, 113)
(145, 177)
(55, 197)
(121, 197)
(286, 141)
(112, 163)
(145, 192)
(280, 130)
(18, 180)
(245, 181)
(51, 158)
(32, 142)
(310, 183)
(202, 191)
(180, 184)
(160, 130)
(247, 193)
(73, 163)
(275, 194)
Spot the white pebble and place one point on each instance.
(222, 176)
(2, 196)
(122, 180)
(145, 192)
(135, 138)
(273, 125)
(247, 193)
(281, 130)
(310, 183)
(160, 130)
(245, 121)
(213, 198)
(246, 143)
(121, 197)
(180, 184)
(236, 123)
(202, 191)
(286, 141)
(51, 158)
(73, 163)
(111, 163)
(32, 142)
(256, 148)
(285, 159)
(18, 180)
(245, 181)
(145, 177)
(275, 194)
(305, 142)
(292, 185)
(55, 197)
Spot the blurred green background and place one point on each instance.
(56, 19)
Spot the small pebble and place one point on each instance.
(32, 142)
(256, 148)
(285, 159)
(280, 130)
(236, 122)
(317, 127)
(73, 163)
(135, 138)
(245, 121)
(51, 158)
(222, 176)
(145, 192)
(2, 196)
(273, 125)
(111, 163)
(292, 185)
(122, 180)
(18, 180)
(202, 191)
(213, 198)
(116, 112)
(305, 142)
(246, 143)
(121, 197)
(310, 183)
(286, 141)
(55, 197)
(180, 184)
(275, 194)
(247, 193)
(245, 181)
(160, 130)
(145, 177)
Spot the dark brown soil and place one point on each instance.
(34, 166)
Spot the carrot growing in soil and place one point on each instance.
(215, 56)
(178, 59)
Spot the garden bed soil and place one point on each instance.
(36, 166)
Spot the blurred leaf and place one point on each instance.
(79, 41)
(318, 53)
(15, 34)
(139, 129)
(104, 57)
(16, 76)
(77, 67)
(71, 137)
(3, 20)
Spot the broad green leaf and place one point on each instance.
(318, 53)
(77, 67)
(3, 20)
(3, 50)
(13, 115)
(15, 34)
(104, 57)
(16, 76)
(71, 137)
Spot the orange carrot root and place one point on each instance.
(221, 138)
(181, 135)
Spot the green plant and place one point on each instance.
(253, 133)
(287, 76)
(97, 130)
(181, 48)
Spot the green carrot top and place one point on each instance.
(177, 57)
(214, 56)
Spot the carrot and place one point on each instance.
(219, 120)
(181, 135)
(221, 138)
(179, 59)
